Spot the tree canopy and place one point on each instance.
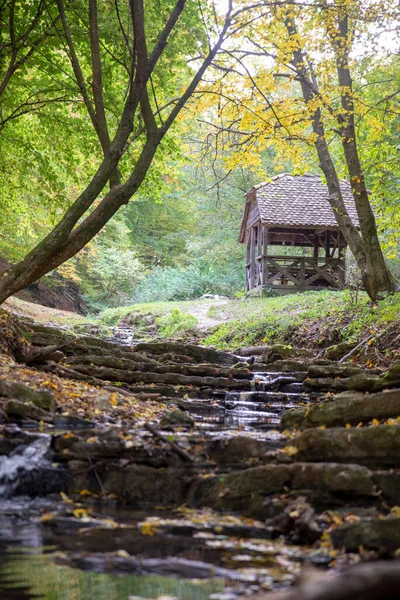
(135, 97)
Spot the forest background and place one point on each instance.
(177, 238)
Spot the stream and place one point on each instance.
(69, 561)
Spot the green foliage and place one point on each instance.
(177, 239)
(109, 270)
(175, 323)
(185, 283)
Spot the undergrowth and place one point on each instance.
(175, 323)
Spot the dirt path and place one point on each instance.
(200, 312)
(42, 314)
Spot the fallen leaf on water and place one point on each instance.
(290, 450)
(148, 528)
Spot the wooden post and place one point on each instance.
(265, 254)
(327, 242)
(316, 248)
(302, 272)
(252, 257)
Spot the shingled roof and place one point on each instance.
(297, 201)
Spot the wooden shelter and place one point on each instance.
(292, 238)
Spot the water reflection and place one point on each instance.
(27, 574)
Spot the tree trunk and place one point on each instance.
(364, 244)
(377, 277)
(68, 238)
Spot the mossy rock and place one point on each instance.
(374, 534)
(339, 350)
(176, 418)
(373, 446)
(347, 407)
(18, 391)
(247, 490)
(289, 364)
(317, 370)
(15, 409)
(389, 379)
(363, 382)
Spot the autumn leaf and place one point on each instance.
(66, 498)
(290, 450)
(148, 528)
(80, 513)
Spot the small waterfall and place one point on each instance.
(28, 471)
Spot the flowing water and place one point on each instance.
(35, 560)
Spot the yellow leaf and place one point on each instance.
(46, 517)
(148, 528)
(85, 493)
(337, 519)
(114, 399)
(375, 422)
(290, 450)
(66, 498)
(92, 440)
(79, 513)
(348, 426)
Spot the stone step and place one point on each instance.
(267, 396)
(276, 407)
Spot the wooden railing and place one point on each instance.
(300, 271)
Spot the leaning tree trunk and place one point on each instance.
(377, 277)
(71, 234)
(363, 243)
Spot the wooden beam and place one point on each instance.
(252, 257)
(282, 270)
(321, 272)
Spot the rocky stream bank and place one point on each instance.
(174, 460)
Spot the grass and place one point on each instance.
(308, 318)
(176, 323)
(113, 316)
(311, 318)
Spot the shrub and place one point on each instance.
(187, 283)
(176, 322)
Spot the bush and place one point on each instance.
(110, 278)
(187, 283)
(176, 322)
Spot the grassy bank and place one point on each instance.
(316, 319)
